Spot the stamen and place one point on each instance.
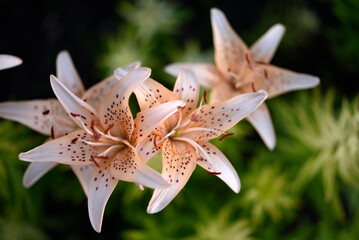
(201, 129)
(95, 162)
(205, 96)
(83, 125)
(75, 115)
(73, 141)
(96, 143)
(101, 157)
(108, 129)
(52, 132)
(253, 88)
(225, 136)
(106, 152)
(266, 73)
(154, 141)
(214, 173)
(168, 135)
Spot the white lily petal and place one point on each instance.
(178, 163)
(219, 117)
(114, 109)
(220, 165)
(67, 73)
(84, 174)
(123, 71)
(102, 185)
(230, 50)
(261, 121)
(35, 171)
(74, 106)
(277, 80)
(69, 149)
(146, 148)
(187, 89)
(151, 93)
(147, 120)
(9, 61)
(222, 92)
(264, 48)
(45, 116)
(207, 74)
(127, 166)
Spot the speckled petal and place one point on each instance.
(68, 149)
(114, 109)
(222, 116)
(74, 106)
(178, 163)
(9, 61)
(277, 80)
(127, 166)
(219, 164)
(84, 173)
(187, 89)
(151, 93)
(146, 149)
(67, 73)
(262, 122)
(45, 116)
(230, 51)
(35, 171)
(147, 120)
(264, 48)
(207, 74)
(102, 185)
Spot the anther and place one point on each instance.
(253, 88)
(205, 96)
(214, 173)
(46, 112)
(95, 162)
(225, 136)
(75, 115)
(52, 132)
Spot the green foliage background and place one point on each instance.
(307, 188)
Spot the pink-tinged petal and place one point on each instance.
(207, 74)
(219, 165)
(187, 89)
(178, 163)
(35, 171)
(45, 116)
(97, 93)
(9, 61)
(151, 93)
(127, 166)
(277, 80)
(147, 149)
(262, 122)
(222, 92)
(149, 119)
(70, 149)
(219, 117)
(84, 173)
(78, 110)
(67, 73)
(231, 53)
(264, 48)
(102, 185)
(114, 110)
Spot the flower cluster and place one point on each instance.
(95, 132)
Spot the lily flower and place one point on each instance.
(107, 140)
(183, 138)
(9, 61)
(241, 70)
(50, 118)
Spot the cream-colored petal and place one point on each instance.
(219, 165)
(147, 149)
(264, 48)
(35, 171)
(187, 89)
(9, 61)
(45, 116)
(149, 119)
(277, 80)
(114, 109)
(262, 122)
(127, 166)
(178, 163)
(69, 149)
(223, 91)
(207, 74)
(84, 173)
(230, 51)
(102, 185)
(78, 110)
(151, 93)
(67, 73)
(219, 117)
